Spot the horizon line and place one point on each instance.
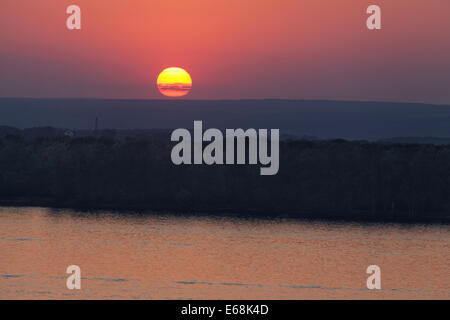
(239, 99)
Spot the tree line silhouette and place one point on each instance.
(317, 179)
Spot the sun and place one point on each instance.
(174, 82)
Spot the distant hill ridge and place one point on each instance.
(297, 118)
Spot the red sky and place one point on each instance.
(233, 49)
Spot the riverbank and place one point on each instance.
(147, 209)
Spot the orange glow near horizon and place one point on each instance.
(174, 82)
(257, 49)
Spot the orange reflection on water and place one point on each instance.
(166, 257)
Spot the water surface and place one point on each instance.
(124, 256)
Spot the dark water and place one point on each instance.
(167, 257)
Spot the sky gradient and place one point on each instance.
(233, 49)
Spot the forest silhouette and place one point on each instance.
(333, 179)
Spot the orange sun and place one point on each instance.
(174, 82)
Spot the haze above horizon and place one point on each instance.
(288, 49)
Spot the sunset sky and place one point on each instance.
(233, 49)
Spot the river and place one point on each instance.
(161, 256)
